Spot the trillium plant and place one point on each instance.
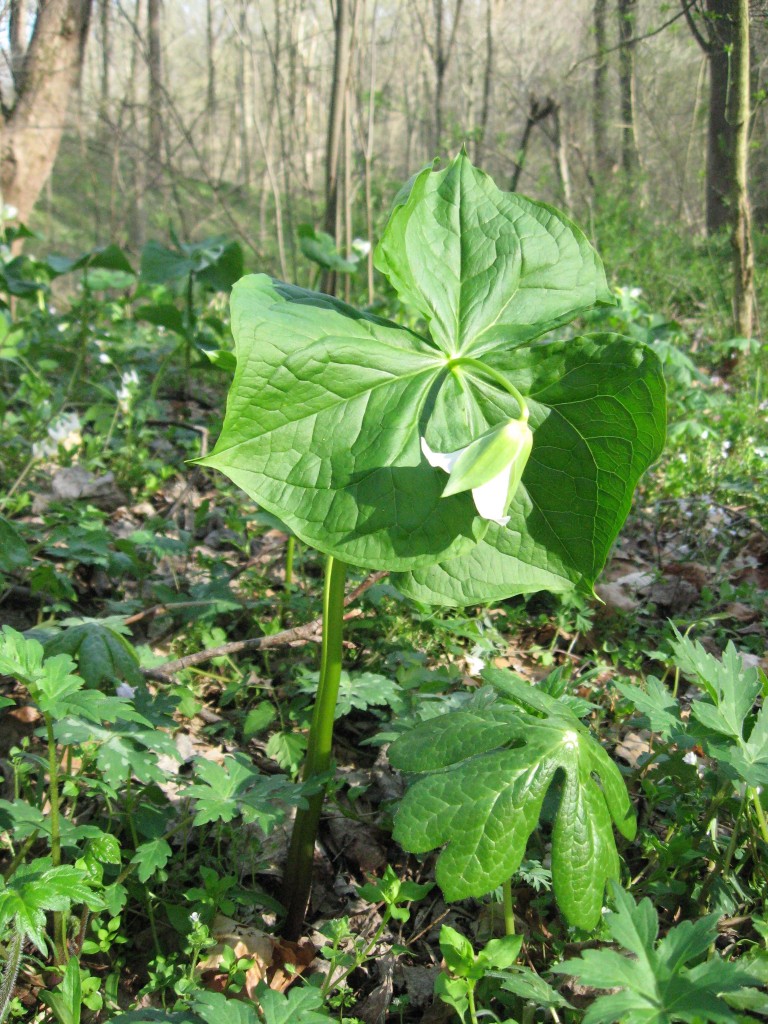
(475, 457)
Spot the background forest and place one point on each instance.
(165, 642)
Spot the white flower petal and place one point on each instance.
(491, 497)
(440, 460)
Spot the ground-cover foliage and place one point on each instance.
(158, 683)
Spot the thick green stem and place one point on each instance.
(471, 1001)
(59, 918)
(755, 797)
(499, 378)
(290, 548)
(297, 881)
(509, 911)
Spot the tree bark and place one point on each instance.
(600, 93)
(32, 128)
(630, 160)
(155, 67)
(743, 262)
(538, 110)
(106, 58)
(492, 10)
(343, 24)
(717, 42)
(441, 55)
(721, 132)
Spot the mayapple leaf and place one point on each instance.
(490, 771)
(331, 410)
(102, 654)
(485, 267)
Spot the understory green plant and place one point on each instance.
(344, 426)
(664, 981)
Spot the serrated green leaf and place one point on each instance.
(486, 801)
(151, 857)
(300, 1005)
(741, 742)
(525, 983)
(38, 887)
(101, 653)
(658, 985)
(236, 788)
(121, 749)
(13, 550)
(656, 703)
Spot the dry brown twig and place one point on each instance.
(308, 632)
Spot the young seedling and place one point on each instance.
(344, 424)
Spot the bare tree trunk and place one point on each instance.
(210, 88)
(47, 74)
(492, 9)
(18, 18)
(630, 160)
(441, 55)
(717, 41)
(343, 23)
(155, 67)
(721, 134)
(538, 110)
(561, 158)
(105, 26)
(600, 93)
(243, 143)
(743, 262)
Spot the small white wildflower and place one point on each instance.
(490, 467)
(104, 358)
(64, 431)
(194, 917)
(704, 435)
(124, 690)
(475, 663)
(683, 458)
(691, 758)
(129, 383)
(361, 246)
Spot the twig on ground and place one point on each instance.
(308, 632)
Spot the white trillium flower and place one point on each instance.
(491, 467)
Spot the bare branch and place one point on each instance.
(309, 632)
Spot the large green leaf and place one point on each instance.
(102, 653)
(597, 412)
(331, 444)
(329, 406)
(484, 267)
(491, 768)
